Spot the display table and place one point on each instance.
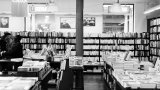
(130, 79)
(42, 77)
(19, 83)
(11, 64)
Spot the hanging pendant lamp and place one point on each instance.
(115, 8)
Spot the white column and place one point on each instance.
(33, 25)
(126, 24)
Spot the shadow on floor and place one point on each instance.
(92, 82)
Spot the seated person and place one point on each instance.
(14, 48)
(3, 42)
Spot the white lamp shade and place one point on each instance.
(115, 8)
(19, 8)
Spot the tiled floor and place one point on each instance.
(92, 82)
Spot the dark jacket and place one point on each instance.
(3, 42)
(16, 51)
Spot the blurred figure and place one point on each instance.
(49, 50)
(13, 48)
(3, 42)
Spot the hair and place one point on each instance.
(5, 35)
(18, 38)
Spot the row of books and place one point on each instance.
(153, 43)
(91, 53)
(90, 60)
(126, 41)
(143, 58)
(141, 47)
(142, 41)
(70, 40)
(120, 47)
(153, 37)
(153, 30)
(92, 41)
(141, 53)
(41, 40)
(154, 22)
(153, 51)
(40, 46)
(72, 34)
(91, 47)
(108, 41)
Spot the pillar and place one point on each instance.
(79, 27)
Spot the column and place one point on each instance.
(79, 27)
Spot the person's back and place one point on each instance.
(19, 48)
(3, 42)
(14, 48)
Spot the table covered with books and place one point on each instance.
(35, 75)
(129, 73)
(19, 83)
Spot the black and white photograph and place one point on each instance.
(67, 23)
(4, 22)
(89, 21)
(79, 44)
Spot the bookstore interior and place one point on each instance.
(55, 43)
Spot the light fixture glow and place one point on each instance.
(152, 9)
(115, 8)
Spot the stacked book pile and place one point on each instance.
(76, 61)
(33, 66)
(34, 69)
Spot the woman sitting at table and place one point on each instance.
(13, 50)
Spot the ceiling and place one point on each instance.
(128, 1)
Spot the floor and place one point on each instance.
(92, 82)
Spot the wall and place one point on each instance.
(140, 18)
(69, 6)
(15, 23)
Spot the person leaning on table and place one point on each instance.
(13, 48)
(3, 42)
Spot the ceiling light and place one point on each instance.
(152, 9)
(115, 8)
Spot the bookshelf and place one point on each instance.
(154, 37)
(141, 48)
(95, 44)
